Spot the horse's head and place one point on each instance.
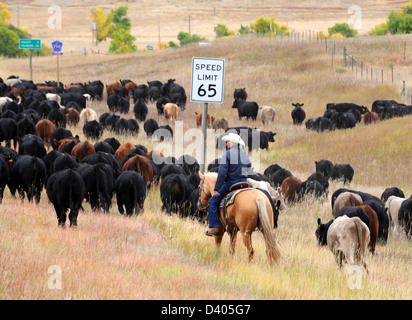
(206, 187)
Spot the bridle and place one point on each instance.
(200, 207)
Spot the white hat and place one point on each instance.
(233, 137)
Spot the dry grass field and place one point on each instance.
(156, 256)
(150, 18)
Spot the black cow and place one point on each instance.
(58, 117)
(93, 129)
(140, 110)
(320, 124)
(150, 126)
(171, 168)
(189, 164)
(141, 93)
(277, 177)
(63, 161)
(26, 126)
(49, 159)
(343, 172)
(240, 94)
(298, 114)
(99, 180)
(320, 177)
(112, 102)
(103, 147)
(9, 130)
(66, 190)
(163, 133)
(122, 126)
(324, 166)
(113, 142)
(393, 191)
(345, 107)
(175, 190)
(4, 175)
(32, 145)
(175, 92)
(130, 191)
(271, 169)
(311, 188)
(405, 217)
(28, 175)
(123, 105)
(345, 120)
(134, 126)
(109, 120)
(248, 109)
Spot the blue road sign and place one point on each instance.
(57, 46)
(57, 53)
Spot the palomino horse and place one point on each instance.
(250, 210)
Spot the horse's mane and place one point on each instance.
(211, 174)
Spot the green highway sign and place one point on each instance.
(29, 44)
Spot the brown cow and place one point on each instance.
(67, 87)
(62, 142)
(83, 149)
(72, 116)
(374, 229)
(123, 150)
(44, 129)
(289, 189)
(131, 86)
(18, 91)
(370, 117)
(142, 165)
(199, 119)
(219, 123)
(49, 88)
(170, 110)
(154, 153)
(112, 86)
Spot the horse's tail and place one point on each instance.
(270, 238)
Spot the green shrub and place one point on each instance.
(222, 30)
(185, 38)
(380, 30)
(344, 29)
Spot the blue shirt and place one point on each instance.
(234, 165)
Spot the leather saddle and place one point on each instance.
(230, 197)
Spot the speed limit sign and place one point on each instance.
(207, 80)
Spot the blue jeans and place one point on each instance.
(214, 202)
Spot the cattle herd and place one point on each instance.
(35, 116)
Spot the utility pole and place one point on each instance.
(189, 26)
(158, 28)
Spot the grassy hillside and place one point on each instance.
(155, 256)
(167, 18)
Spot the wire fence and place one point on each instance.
(342, 57)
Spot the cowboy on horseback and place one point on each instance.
(233, 169)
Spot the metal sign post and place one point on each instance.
(57, 47)
(207, 87)
(30, 44)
